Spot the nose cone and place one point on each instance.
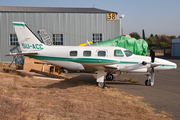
(169, 65)
(173, 65)
(165, 65)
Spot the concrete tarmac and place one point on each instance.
(163, 96)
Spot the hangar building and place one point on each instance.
(175, 47)
(65, 26)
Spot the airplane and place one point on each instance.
(89, 58)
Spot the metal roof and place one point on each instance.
(52, 9)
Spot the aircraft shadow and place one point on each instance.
(72, 82)
(81, 80)
(122, 83)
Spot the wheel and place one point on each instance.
(51, 69)
(148, 82)
(64, 70)
(101, 84)
(109, 77)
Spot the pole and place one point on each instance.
(120, 26)
(122, 16)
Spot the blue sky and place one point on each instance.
(154, 16)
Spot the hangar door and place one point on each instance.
(175, 49)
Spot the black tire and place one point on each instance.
(109, 77)
(51, 69)
(148, 82)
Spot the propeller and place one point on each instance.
(152, 54)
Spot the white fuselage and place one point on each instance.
(88, 58)
(75, 58)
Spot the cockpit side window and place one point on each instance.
(118, 53)
(128, 53)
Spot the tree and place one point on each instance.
(173, 37)
(151, 40)
(135, 35)
(162, 44)
(151, 35)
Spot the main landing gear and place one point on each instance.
(101, 84)
(109, 77)
(100, 78)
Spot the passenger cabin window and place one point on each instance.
(128, 53)
(118, 53)
(73, 53)
(87, 53)
(101, 53)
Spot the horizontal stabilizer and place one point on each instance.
(20, 54)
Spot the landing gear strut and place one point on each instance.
(100, 79)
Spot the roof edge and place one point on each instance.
(53, 9)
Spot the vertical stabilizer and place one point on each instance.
(26, 38)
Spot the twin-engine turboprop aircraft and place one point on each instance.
(89, 58)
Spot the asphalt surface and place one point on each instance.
(163, 96)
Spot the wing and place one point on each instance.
(94, 64)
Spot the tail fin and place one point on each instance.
(26, 38)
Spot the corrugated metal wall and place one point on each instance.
(175, 49)
(75, 27)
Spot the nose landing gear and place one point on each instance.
(148, 82)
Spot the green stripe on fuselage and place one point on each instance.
(168, 65)
(18, 24)
(126, 62)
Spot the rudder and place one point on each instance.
(26, 38)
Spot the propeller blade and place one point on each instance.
(152, 54)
